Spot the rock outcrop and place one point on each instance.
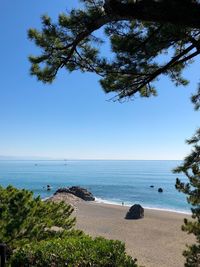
(78, 192)
(135, 212)
(67, 198)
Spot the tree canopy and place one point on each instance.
(138, 31)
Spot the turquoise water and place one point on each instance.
(109, 181)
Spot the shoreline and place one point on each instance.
(155, 240)
(107, 202)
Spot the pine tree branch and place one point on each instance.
(173, 62)
(177, 12)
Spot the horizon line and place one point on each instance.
(80, 159)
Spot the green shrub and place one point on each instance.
(82, 251)
(27, 227)
(24, 219)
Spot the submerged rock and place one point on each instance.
(135, 212)
(78, 192)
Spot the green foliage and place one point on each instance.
(24, 219)
(27, 226)
(134, 64)
(191, 168)
(73, 251)
(196, 99)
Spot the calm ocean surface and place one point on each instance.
(109, 181)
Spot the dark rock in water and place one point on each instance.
(160, 190)
(77, 191)
(152, 186)
(48, 187)
(135, 212)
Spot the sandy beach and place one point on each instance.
(156, 240)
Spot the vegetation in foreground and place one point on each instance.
(74, 251)
(39, 233)
(25, 219)
(140, 32)
(191, 168)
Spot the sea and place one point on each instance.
(111, 181)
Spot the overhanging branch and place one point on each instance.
(185, 13)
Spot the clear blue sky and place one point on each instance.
(71, 118)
